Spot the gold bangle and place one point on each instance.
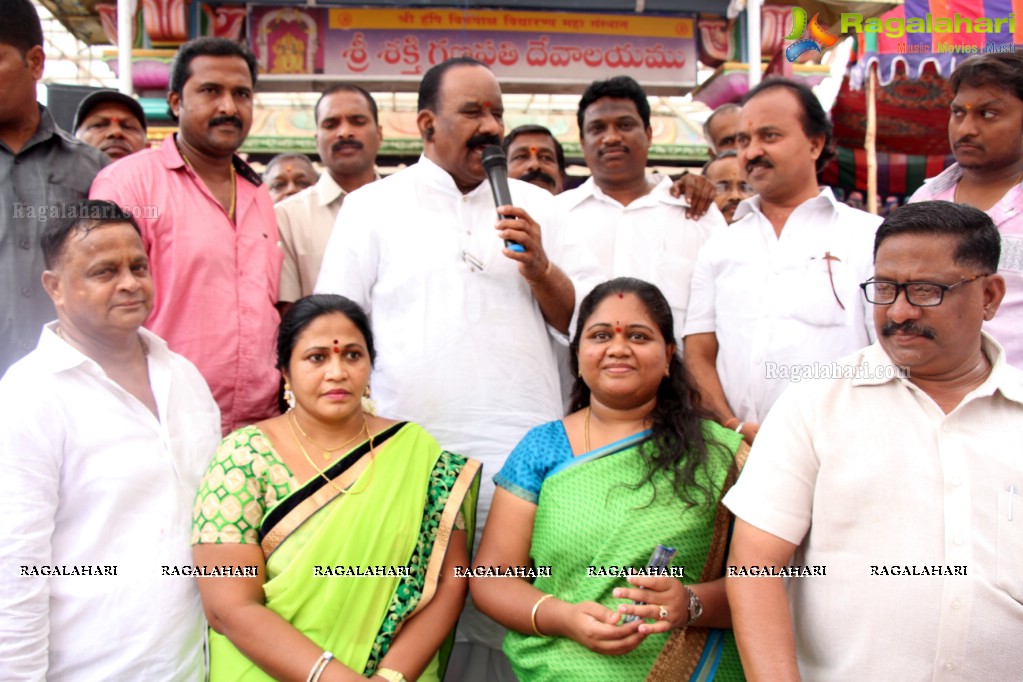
(532, 615)
(547, 271)
(390, 675)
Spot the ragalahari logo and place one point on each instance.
(819, 39)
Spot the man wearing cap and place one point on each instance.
(112, 122)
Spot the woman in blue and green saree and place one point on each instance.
(585, 501)
(334, 533)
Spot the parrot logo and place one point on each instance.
(820, 38)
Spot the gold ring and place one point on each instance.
(663, 613)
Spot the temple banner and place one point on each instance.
(544, 47)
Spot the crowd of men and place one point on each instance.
(904, 461)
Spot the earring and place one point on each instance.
(289, 396)
(367, 405)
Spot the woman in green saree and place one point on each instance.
(340, 529)
(634, 465)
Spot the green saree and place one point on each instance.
(590, 522)
(395, 520)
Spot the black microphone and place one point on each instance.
(496, 166)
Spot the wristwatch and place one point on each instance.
(390, 675)
(695, 607)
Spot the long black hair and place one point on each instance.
(678, 447)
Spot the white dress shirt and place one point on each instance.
(650, 239)
(772, 302)
(94, 479)
(866, 473)
(462, 346)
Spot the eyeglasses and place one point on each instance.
(920, 294)
(742, 187)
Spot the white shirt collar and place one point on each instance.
(752, 204)
(1003, 377)
(660, 192)
(63, 356)
(440, 179)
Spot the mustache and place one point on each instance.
(889, 328)
(730, 205)
(483, 139)
(341, 144)
(613, 148)
(967, 140)
(221, 120)
(759, 161)
(538, 174)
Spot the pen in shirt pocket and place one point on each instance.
(827, 258)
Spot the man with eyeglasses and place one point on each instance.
(778, 288)
(897, 477)
(729, 181)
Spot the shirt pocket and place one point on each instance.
(810, 292)
(1009, 549)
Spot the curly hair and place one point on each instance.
(678, 446)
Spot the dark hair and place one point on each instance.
(533, 129)
(619, 87)
(814, 119)
(678, 446)
(724, 108)
(21, 27)
(181, 66)
(1003, 70)
(979, 241)
(347, 87)
(305, 310)
(287, 156)
(730, 154)
(429, 87)
(83, 216)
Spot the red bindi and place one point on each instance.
(337, 348)
(618, 329)
(621, 295)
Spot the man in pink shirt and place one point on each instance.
(985, 129)
(209, 230)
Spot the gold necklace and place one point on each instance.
(586, 429)
(323, 474)
(328, 453)
(234, 183)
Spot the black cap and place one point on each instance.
(101, 96)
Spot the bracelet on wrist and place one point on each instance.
(731, 423)
(390, 675)
(532, 614)
(739, 428)
(318, 666)
(695, 607)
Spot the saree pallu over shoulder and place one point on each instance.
(590, 554)
(347, 569)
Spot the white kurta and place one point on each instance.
(650, 239)
(866, 474)
(770, 299)
(93, 478)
